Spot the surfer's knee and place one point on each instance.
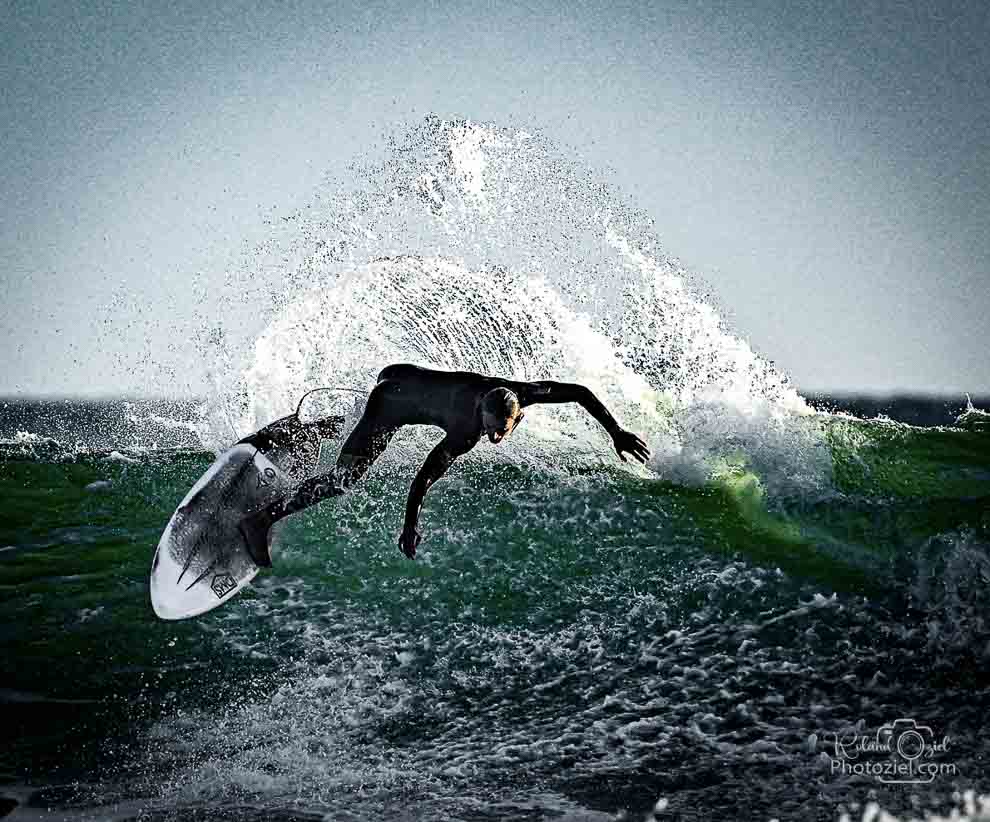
(382, 413)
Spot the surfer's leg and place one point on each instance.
(350, 467)
(365, 444)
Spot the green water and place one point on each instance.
(580, 638)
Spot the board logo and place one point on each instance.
(267, 477)
(222, 585)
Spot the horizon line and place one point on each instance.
(809, 394)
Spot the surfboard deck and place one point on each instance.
(202, 560)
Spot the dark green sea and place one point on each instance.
(784, 615)
(573, 642)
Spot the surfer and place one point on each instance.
(465, 405)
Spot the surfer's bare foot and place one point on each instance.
(256, 529)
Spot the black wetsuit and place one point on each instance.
(410, 395)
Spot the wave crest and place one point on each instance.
(477, 247)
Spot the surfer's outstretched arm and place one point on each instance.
(436, 465)
(547, 391)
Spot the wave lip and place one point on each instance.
(470, 245)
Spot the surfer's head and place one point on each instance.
(500, 414)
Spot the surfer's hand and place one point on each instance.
(408, 541)
(627, 441)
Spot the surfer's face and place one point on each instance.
(500, 414)
(498, 428)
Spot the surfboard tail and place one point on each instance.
(208, 552)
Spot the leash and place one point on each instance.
(328, 388)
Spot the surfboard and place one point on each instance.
(202, 561)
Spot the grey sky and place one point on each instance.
(825, 167)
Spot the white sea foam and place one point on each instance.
(970, 807)
(479, 248)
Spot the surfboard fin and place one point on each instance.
(256, 529)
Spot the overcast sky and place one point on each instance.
(824, 166)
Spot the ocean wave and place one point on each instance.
(481, 248)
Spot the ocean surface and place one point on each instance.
(784, 615)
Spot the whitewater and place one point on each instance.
(711, 636)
